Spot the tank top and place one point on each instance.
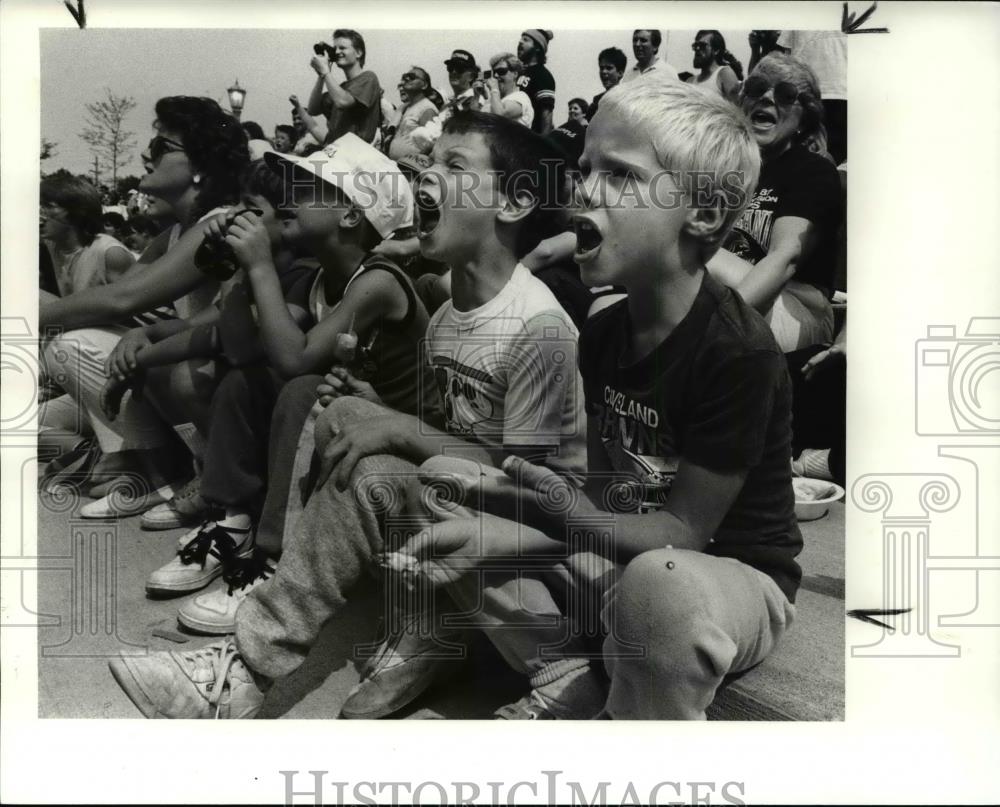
(84, 267)
(391, 355)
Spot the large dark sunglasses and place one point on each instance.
(785, 93)
(161, 145)
(501, 71)
(410, 77)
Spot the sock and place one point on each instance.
(235, 519)
(192, 438)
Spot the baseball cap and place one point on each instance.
(370, 180)
(461, 59)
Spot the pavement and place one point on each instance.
(92, 602)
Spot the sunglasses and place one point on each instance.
(161, 145)
(785, 93)
(501, 71)
(410, 77)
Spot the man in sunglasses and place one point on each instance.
(462, 74)
(417, 110)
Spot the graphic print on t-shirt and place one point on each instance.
(461, 389)
(750, 238)
(637, 449)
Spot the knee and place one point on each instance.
(661, 590)
(338, 412)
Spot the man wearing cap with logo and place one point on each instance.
(536, 80)
(462, 73)
(646, 48)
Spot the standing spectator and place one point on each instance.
(578, 111)
(646, 48)
(761, 44)
(354, 104)
(610, 67)
(504, 97)
(720, 71)
(82, 254)
(536, 80)
(284, 138)
(826, 53)
(417, 110)
(462, 72)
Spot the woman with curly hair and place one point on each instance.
(194, 165)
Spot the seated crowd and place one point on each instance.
(547, 383)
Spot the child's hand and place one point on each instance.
(384, 434)
(339, 382)
(122, 362)
(250, 241)
(113, 392)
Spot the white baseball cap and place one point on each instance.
(370, 180)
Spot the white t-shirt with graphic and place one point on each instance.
(507, 373)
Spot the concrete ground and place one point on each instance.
(91, 601)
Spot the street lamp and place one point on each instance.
(236, 97)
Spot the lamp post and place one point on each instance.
(237, 95)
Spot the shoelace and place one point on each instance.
(210, 539)
(190, 490)
(243, 572)
(220, 659)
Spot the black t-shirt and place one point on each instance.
(538, 83)
(361, 118)
(592, 109)
(716, 392)
(796, 183)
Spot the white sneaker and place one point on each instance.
(215, 612)
(206, 683)
(126, 500)
(204, 557)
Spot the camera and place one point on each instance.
(487, 74)
(956, 379)
(323, 49)
(214, 257)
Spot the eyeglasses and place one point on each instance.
(785, 93)
(501, 71)
(410, 77)
(161, 145)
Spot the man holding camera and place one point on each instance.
(353, 105)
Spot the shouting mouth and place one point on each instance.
(588, 239)
(763, 118)
(427, 213)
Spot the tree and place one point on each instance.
(47, 150)
(105, 132)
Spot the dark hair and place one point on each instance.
(253, 129)
(144, 225)
(613, 56)
(289, 130)
(81, 201)
(213, 141)
(116, 220)
(654, 36)
(580, 103)
(357, 42)
(524, 162)
(260, 179)
(722, 56)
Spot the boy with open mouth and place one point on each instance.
(504, 359)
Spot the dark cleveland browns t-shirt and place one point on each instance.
(796, 183)
(540, 87)
(716, 391)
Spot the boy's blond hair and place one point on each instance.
(704, 141)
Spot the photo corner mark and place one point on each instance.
(851, 25)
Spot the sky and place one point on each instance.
(147, 64)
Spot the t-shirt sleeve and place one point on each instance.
(814, 194)
(542, 382)
(544, 87)
(365, 89)
(727, 425)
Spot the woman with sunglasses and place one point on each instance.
(781, 252)
(719, 70)
(504, 97)
(194, 166)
